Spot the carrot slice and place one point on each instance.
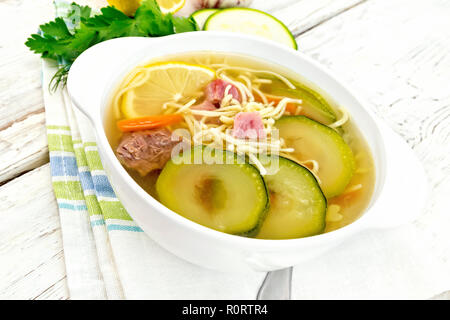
(150, 122)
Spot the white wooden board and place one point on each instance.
(31, 255)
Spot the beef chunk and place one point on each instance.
(147, 150)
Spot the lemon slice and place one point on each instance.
(129, 7)
(170, 5)
(163, 82)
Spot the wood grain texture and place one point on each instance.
(398, 59)
(23, 146)
(30, 239)
(400, 64)
(21, 104)
(442, 296)
(301, 16)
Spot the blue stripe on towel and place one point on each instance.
(124, 228)
(69, 206)
(86, 180)
(102, 186)
(100, 222)
(63, 166)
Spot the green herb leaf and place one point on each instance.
(184, 25)
(151, 22)
(56, 29)
(79, 13)
(59, 43)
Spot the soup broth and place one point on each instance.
(341, 209)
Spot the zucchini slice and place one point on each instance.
(200, 16)
(314, 141)
(297, 204)
(215, 188)
(251, 21)
(314, 106)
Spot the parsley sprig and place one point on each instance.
(57, 42)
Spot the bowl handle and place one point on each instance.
(405, 188)
(94, 68)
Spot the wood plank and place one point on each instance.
(396, 55)
(22, 133)
(300, 16)
(23, 146)
(30, 239)
(400, 64)
(442, 296)
(271, 6)
(20, 84)
(57, 291)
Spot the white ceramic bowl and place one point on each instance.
(400, 190)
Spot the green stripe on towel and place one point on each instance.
(90, 144)
(80, 156)
(58, 127)
(59, 142)
(93, 158)
(114, 210)
(68, 190)
(93, 205)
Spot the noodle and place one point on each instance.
(315, 165)
(353, 188)
(246, 80)
(262, 81)
(261, 95)
(333, 213)
(186, 106)
(344, 118)
(277, 75)
(243, 90)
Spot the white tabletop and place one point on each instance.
(396, 54)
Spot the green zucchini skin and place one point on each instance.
(315, 141)
(251, 15)
(314, 105)
(230, 197)
(253, 232)
(289, 217)
(200, 16)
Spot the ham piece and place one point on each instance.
(248, 125)
(215, 91)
